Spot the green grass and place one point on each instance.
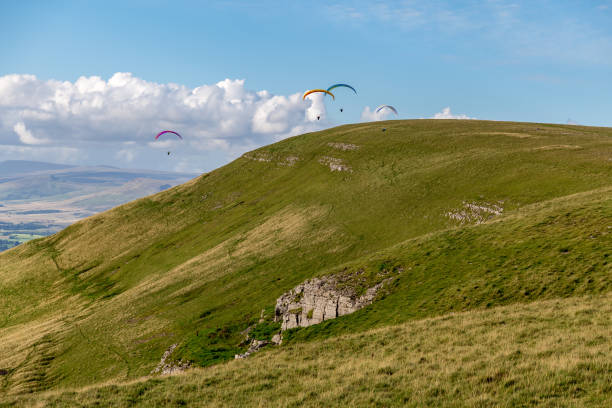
(542, 354)
(196, 264)
(265, 330)
(557, 249)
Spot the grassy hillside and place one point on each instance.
(542, 354)
(461, 214)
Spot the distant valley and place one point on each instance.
(38, 199)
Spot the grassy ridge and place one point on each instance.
(196, 264)
(545, 354)
(555, 249)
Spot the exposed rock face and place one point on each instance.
(317, 300)
(335, 164)
(289, 161)
(262, 157)
(476, 212)
(169, 368)
(343, 146)
(267, 158)
(277, 339)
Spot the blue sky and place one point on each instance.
(540, 61)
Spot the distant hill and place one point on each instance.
(491, 239)
(38, 198)
(35, 180)
(19, 167)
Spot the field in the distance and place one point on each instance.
(38, 199)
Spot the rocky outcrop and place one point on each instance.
(343, 146)
(254, 344)
(267, 158)
(254, 347)
(289, 161)
(261, 157)
(317, 300)
(476, 212)
(335, 164)
(165, 368)
(277, 339)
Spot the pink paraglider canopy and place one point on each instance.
(168, 131)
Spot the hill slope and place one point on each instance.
(543, 354)
(460, 214)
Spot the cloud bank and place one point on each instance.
(447, 114)
(370, 115)
(126, 112)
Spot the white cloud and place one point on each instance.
(125, 155)
(447, 114)
(26, 136)
(370, 115)
(126, 110)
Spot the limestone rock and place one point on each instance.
(335, 164)
(254, 347)
(317, 300)
(343, 146)
(476, 212)
(164, 368)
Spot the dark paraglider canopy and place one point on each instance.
(381, 107)
(341, 85)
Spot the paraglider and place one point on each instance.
(340, 86)
(317, 90)
(168, 131)
(381, 107)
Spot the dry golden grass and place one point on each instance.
(288, 228)
(551, 353)
(279, 231)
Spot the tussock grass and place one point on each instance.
(545, 354)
